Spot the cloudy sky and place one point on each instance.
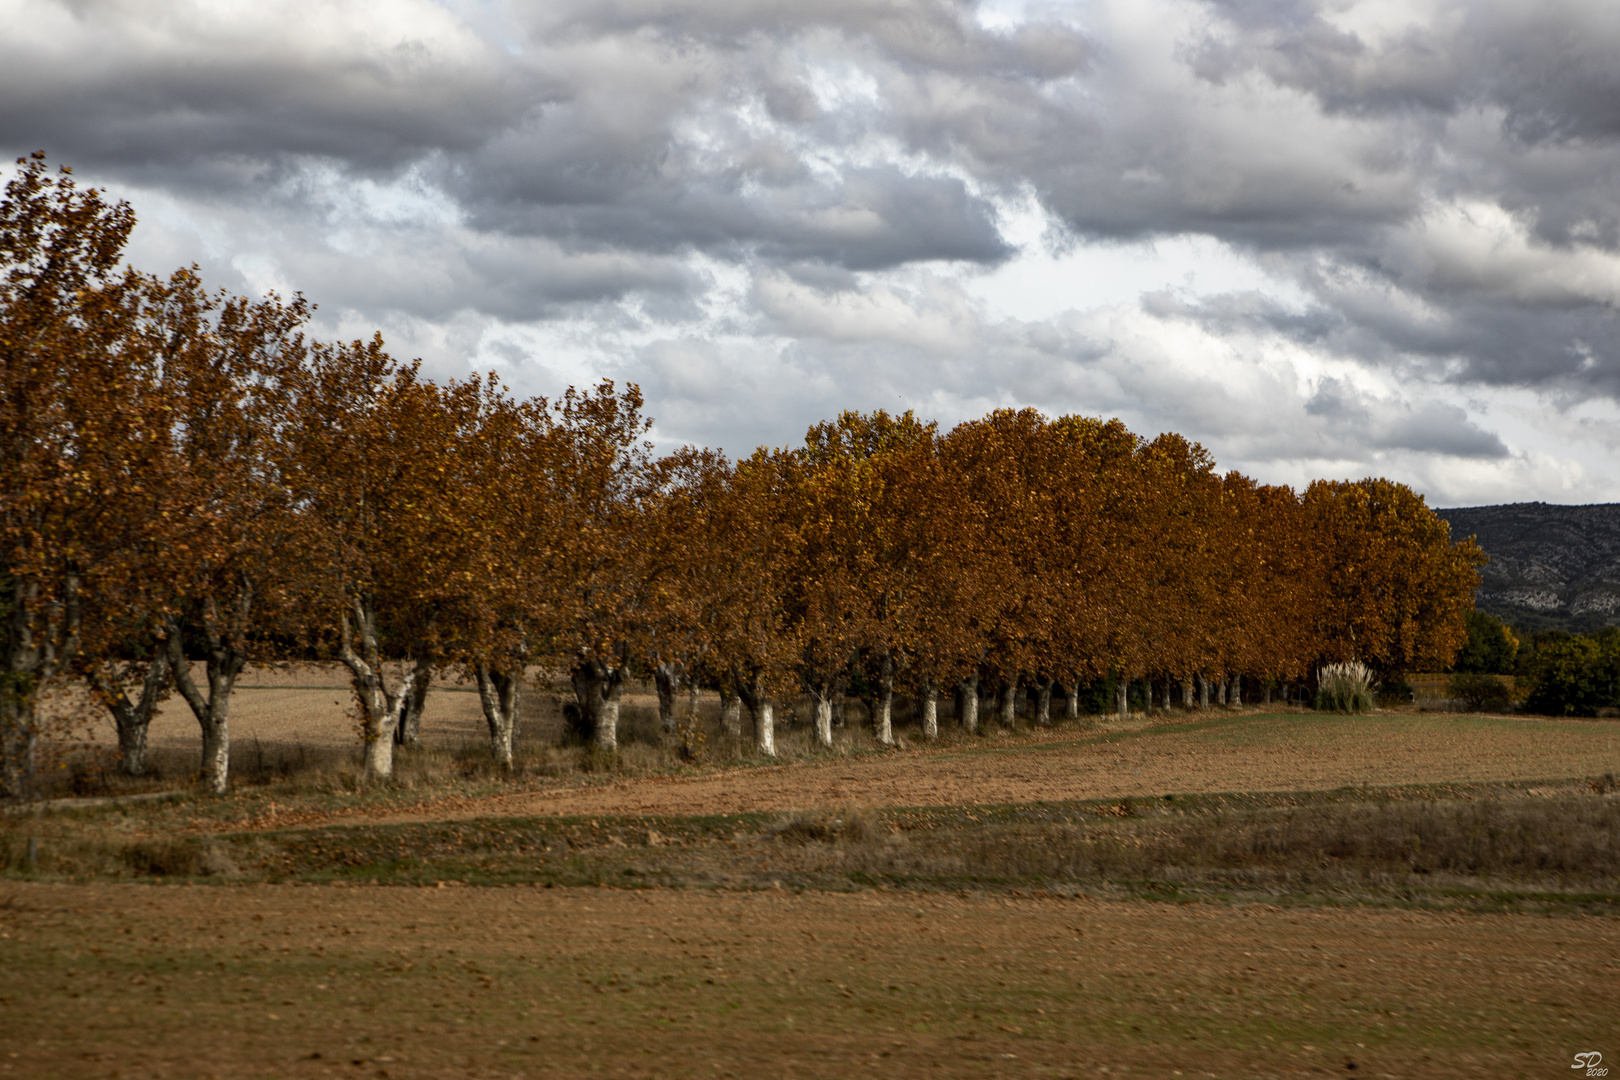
(1330, 238)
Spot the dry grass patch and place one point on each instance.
(452, 982)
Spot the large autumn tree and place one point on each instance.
(234, 372)
(73, 411)
(597, 479)
(1396, 589)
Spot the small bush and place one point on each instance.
(1344, 688)
(1481, 693)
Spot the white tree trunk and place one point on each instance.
(380, 707)
(883, 715)
(765, 727)
(409, 731)
(824, 721)
(967, 705)
(1220, 691)
(1043, 702)
(1122, 698)
(1203, 692)
(213, 711)
(930, 711)
(1237, 690)
(607, 725)
(216, 753)
(500, 696)
(380, 711)
(1071, 708)
(1008, 703)
(379, 761)
(731, 712)
(667, 681)
(597, 685)
(753, 693)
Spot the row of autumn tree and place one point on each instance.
(192, 483)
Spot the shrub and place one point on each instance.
(1394, 693)
(1491, 648)
(1345, 688)
(1481, 693)
(1573, 675)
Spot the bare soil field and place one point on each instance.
(267, 981)
(1237, 753)
(1225, 894)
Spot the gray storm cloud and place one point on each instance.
(784, 200)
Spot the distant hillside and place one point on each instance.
(1552, 567)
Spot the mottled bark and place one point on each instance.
(883, 714)
(667, 682)
(380, 706)
(930, 711)
(500, 696)
(409, 730)
(223, 662)
(1008, 703)
(763, 709)
(1043, 702)
(597, 686)
(1220, 690)
(1203, 692)
(1071, 707)
(967, 704)
(1237, 690)
(133, 718)
(730, 710)
(1186, 694)
(822, 692)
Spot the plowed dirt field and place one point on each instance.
(267, 981)
(1237, 753)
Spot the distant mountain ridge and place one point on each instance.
(1552, 566)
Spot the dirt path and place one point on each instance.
(285, 981)
(1254, 754)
